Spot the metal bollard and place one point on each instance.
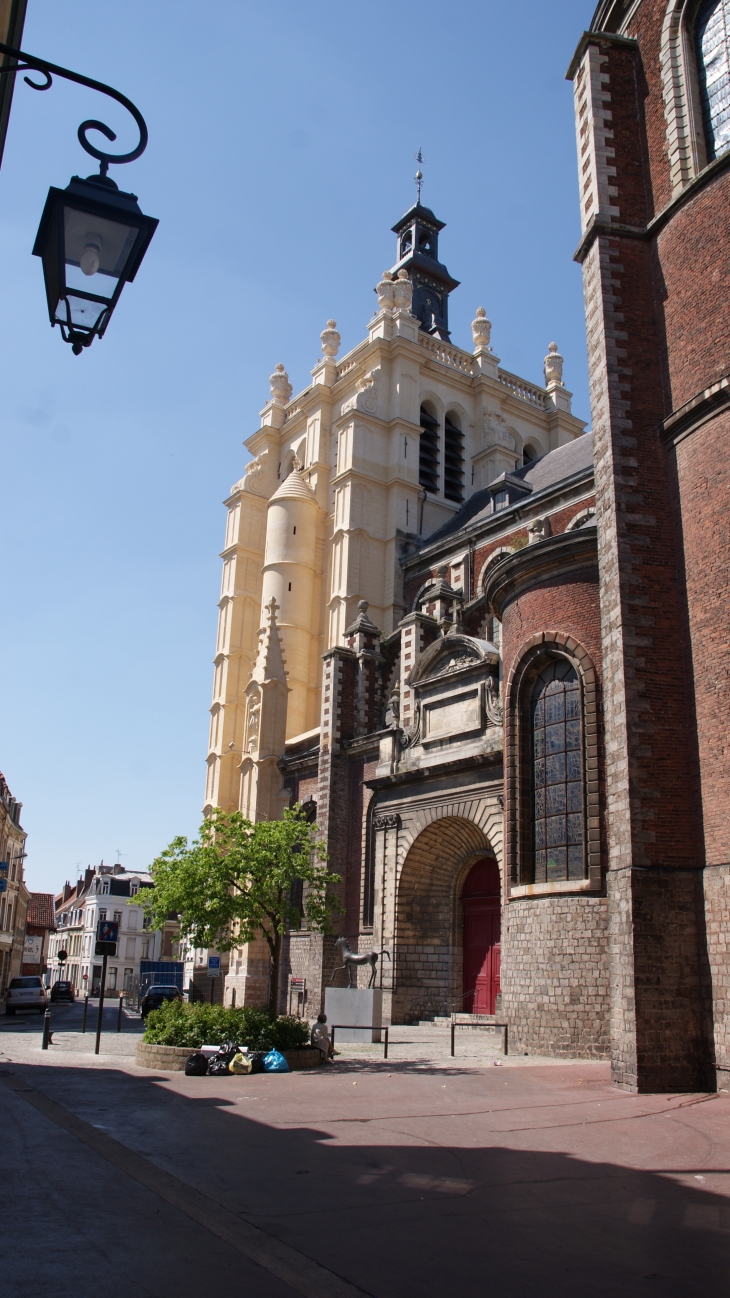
(46, 1029)
(121, 1006)
(86, 1010)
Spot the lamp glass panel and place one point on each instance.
(95, 246)
(83, 313)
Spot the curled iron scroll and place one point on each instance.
(29, 63)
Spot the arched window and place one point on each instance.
(529, 454)
(712, 50)
(558, 798)
(453, 459)
(428, 451)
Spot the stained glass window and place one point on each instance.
(712, 46)
(557, 775)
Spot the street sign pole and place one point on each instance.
(107, 937)
(101, 1001)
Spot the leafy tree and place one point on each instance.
(239, 879)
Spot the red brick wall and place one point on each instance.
(694, 258)
(703, 472)
(566, 604)
(647, 92)
(652, 321)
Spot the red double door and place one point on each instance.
(481, 906)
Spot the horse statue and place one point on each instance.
(350, 958)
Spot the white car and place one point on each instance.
(26, 994)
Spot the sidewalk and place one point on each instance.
(402, 1178)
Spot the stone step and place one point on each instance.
(443, 1022)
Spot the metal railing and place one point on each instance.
(455, 1025)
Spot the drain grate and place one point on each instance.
(24, 1090)
(5, 1072)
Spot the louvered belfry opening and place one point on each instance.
(453, 460)
(428, 457)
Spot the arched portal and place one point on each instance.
(429, 924)
(480, 904)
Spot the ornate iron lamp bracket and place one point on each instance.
(29, 63)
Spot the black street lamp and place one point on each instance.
(92, 236)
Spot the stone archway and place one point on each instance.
(428, 968)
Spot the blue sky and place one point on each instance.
(281, 152)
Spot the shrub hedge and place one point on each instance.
(176, 1023)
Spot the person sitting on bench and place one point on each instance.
(321, 1038)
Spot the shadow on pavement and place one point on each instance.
(393, 1209)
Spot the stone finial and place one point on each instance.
(553, 366)
(296, 463)
(386, 292)
(362, 622)
(481, 330)
(280, 385)
(330, 340)
(402, 291)
(272, 608)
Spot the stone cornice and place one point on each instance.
(568, 552)
(697, 411)
(605, 40)
(419, 774)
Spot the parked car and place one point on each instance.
(26, 993)
(156, 995)
(63, 991)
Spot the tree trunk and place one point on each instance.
(275, 963)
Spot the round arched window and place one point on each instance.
(712, 47)
(558, 800)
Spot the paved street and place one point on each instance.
(411, 1176)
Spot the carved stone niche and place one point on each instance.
(456, 689)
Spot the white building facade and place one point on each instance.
(109, 894)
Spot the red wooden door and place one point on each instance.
(481, 905)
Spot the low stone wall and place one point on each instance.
(169, 1058)
(172, 1058)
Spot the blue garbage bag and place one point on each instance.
(275, 1062)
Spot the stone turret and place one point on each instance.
(290, 576)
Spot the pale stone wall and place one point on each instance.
(717, 909)
(555, 993)
(425, 843)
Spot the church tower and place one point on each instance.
(347, 479)
(418, 239)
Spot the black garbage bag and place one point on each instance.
(257, 1058)
(218, 1063)
(196, 1065)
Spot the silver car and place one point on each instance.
(26, 994)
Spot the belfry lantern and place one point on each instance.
(92, 236)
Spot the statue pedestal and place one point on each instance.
(351, 1006)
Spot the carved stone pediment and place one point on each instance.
(450, 655)
(453, 662)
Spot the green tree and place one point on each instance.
(239, 879)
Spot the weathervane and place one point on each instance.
(419, 174)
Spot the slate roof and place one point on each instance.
(41, 910)
(548, 471)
